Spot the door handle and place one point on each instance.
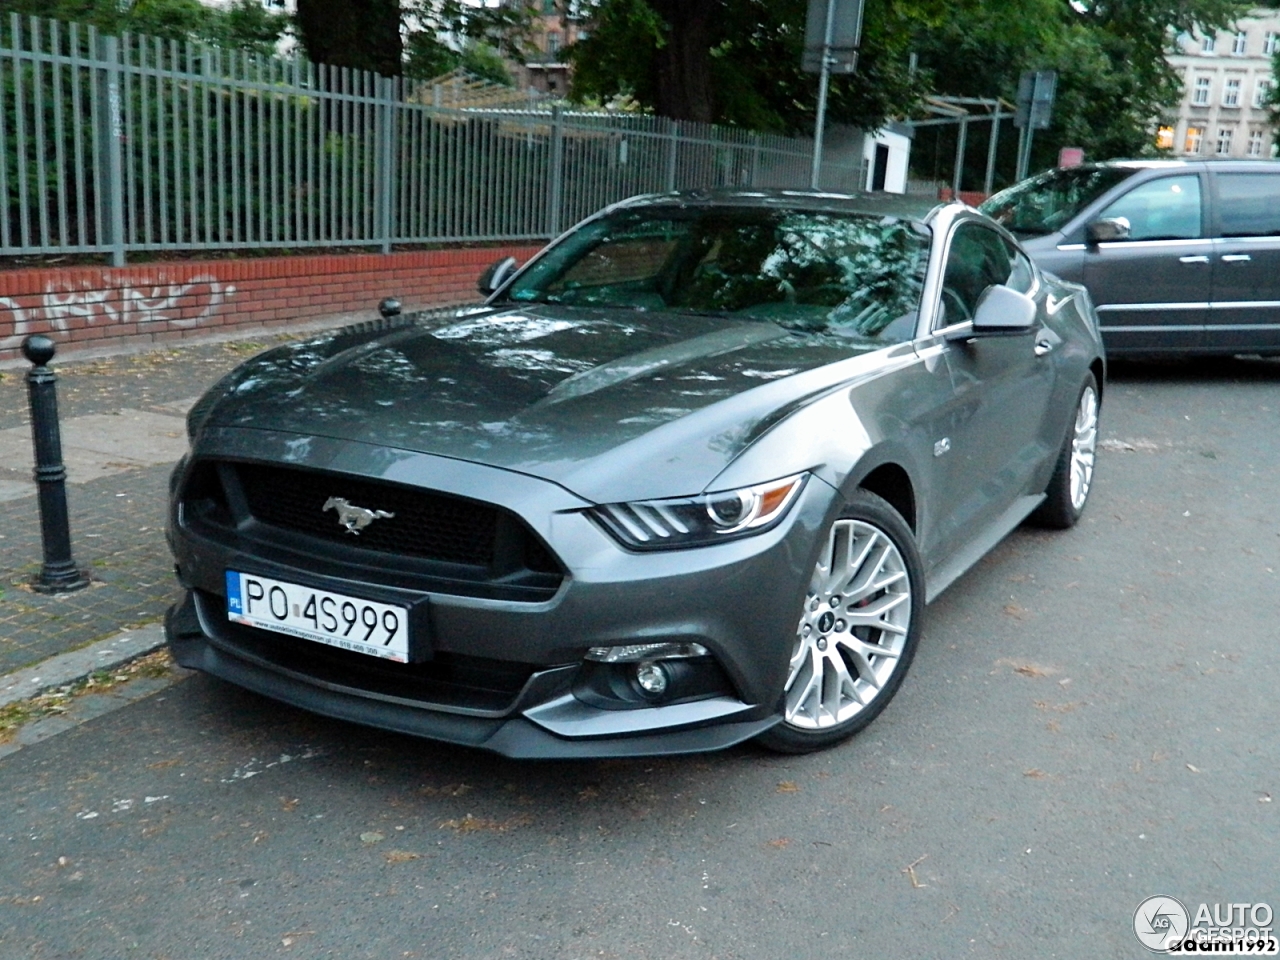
(1043, 346)
(1197, 258)
(1236, 258)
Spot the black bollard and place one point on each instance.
(59, 573)
(389, 307)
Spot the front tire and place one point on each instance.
(858, 629)
(1068, 489)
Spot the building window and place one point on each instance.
(1164, 138)
(1231, 93)
(1240, 43)
(1260, 93)
(1255, 143)
(1200, 97)
(1194, 137)
(553, 45)
(1270, 43)
(1224, 141)
(548, 8)
(1207, 44)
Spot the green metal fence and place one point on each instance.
(122, 144)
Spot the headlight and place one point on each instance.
(697, 521)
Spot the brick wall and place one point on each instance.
(86, 307)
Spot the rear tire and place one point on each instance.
(1068, 489)
(857, 631)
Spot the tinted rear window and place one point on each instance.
(1248, 204)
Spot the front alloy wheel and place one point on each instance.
(857, 630)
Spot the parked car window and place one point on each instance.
(1046, 202)
(1248, 205)
(1164, 209)
(849, 275)
(979, 258)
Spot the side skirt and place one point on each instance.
(950, 570)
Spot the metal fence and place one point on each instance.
(122, 144)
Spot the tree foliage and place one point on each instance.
(243, 25)
(442, 35)
(1113, 78)
(738, 61)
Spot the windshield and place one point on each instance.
(852, 275)
(1046, 202)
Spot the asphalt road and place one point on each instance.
(1091, 720)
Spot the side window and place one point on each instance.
(1248, 204)
(978, 258)
(1165, 209)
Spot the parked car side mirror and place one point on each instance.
(495, 275)
(1107, 230)
(1003, 310)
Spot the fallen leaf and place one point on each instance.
(471, 824)
(1192, 768)
(400, 856)
(1265, 798)
(1029, 670)
(1035, 773)
(588, 793)
(1015, 611)
(288, 805)
(781, 843)
(788, 786)
(371, 837)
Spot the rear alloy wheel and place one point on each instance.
(1072, 479)
(857, 632)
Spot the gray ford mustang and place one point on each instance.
(687, 478)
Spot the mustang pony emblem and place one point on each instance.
(352, 517)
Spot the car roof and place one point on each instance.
(901, 206)
(1230, 162)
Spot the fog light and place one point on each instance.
(651, 678)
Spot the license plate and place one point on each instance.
(364, 626)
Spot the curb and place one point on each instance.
(67, 668)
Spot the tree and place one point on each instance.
(1113, 78)
(442, 35)
(244, 25)
(360, 34)
(738, 61)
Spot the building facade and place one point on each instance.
(1226, 78)
(556, 25)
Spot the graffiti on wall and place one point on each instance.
(65, 305)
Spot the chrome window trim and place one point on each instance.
(1152, 307)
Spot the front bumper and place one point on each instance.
(739, 599)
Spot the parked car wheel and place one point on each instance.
(1068, 490)
(858, 629)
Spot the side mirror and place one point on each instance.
(1108, 230)
(495, 275)
(1003, 310)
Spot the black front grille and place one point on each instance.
(423, 523)
(434, 542)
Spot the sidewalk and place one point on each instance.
(123, 427)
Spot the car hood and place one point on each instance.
(610, 404)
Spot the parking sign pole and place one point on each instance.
(824, 80)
